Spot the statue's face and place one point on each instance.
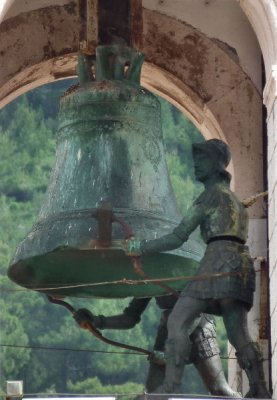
(204, 166)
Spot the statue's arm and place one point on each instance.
(164, 243)
(179, 235)
(127, 320)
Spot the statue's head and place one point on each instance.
(210, 158)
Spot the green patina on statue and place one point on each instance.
(204, 353)
(223, 222)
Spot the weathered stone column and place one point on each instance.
(270, 100)
(258, 248)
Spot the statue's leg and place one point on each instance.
(205, 355)
(178, 344)
(155, 377)
(156, 373)
(210, 369)
(248, 352)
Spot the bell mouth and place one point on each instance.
(102, 272)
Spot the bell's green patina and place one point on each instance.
(109, 149)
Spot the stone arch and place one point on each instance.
(213, 90)
(262, 16)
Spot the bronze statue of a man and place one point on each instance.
(227, 270)
(204, 352)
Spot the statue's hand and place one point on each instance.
(132, 247)
(157, 357)
(83, 317)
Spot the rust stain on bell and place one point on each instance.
(109, 149)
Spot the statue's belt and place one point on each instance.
(226, 237)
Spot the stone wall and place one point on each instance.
(271, 100)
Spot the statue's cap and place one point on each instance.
(217, 149)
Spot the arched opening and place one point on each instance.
(29, 125)
(225, 104)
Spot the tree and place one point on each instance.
(13, 360)
(179, 134)
(93, 386)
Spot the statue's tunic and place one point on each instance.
(221, 216)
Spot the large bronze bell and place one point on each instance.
(110, 150)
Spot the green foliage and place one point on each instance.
(94, 386)
(179, 134)
(27, 154)
(12, 359)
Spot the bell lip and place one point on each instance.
(106, 290)
(34, 274)
(117, 244)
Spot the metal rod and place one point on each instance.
(89, 326)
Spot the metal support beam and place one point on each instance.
(88, 31)
(108, 22)
(120, 21)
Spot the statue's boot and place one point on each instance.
(213, 376)
(155, 377)
(176, 359)
(220, 387)
(250, 359)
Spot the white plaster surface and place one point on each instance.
(271, 137)
(4, 7)
(271, 102)
(262, 15)
(21, 6)
(257, 237)
(273, 293)
(222, 20)
(274, 337)
(219, 19)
